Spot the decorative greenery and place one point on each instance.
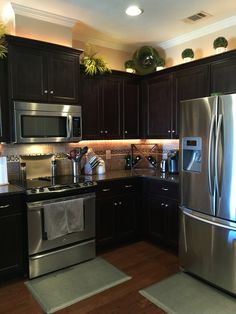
(220, 42)
(145, 60)
(3, 44)
(94, 64)
(187, 53)
(160, 62)
(129, 64)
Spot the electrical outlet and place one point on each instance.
(108, 154)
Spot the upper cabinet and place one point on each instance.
(42, 72)
(4, 108)
(110, 106)
(223, 79)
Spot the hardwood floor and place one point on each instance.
(143, 261)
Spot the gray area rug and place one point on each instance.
(183, 294)
(68, 286)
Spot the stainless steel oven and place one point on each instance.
(47, 255)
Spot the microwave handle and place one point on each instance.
(69, 126)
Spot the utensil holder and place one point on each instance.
(75, 168)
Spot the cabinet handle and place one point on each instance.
(45, 92)
(165, 189)
(105, 131)
(128, 186)
(106, 190)
(4, 206)
(51, 92)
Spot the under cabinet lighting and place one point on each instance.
(133, 10)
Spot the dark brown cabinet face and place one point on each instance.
(4, 105)
(43, 75)
(131, 108)
(188, 84)
(158, 102)
(223, 78)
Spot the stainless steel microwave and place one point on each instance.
(46, 123)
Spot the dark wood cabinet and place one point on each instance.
(162, 212)
(131, 108)
(4, 105)
(116, 212)
(42, 72)
(158, 106)
(12, 235)
(223, 78)
(189, 83)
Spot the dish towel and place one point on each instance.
(55, 221)
(75, 214)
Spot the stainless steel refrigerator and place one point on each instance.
(207, 245)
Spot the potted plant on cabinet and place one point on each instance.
(3, 44)
(160, 64)
(220, 44)
(129, 66)
(187, 54)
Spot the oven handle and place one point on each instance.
(61, 250)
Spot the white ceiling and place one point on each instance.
(161, 21)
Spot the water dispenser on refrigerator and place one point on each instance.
(192, 154)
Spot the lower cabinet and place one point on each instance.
(161, 211)
(116, 212)
(11, 235)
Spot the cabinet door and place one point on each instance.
(126, 212)
(158, 107)
(63, 72)
(131, 108)
(4, 104)
(91, 108)
(11, 260)
(105, 228)
(28, 74)
(223, 79)
(111, 104)
(188, 84)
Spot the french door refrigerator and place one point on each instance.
(207, 244)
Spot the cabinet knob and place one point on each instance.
(115, 204)
(120, 203)
(45, 91)
(101, 131)
(173, 131)
(165, 189)
(126, 132)
(169, 131)
(51, 92)
(166, 205)
(162, 204)
(105, 131)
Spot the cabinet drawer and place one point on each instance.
(11, 204)
(163, 188)
(114, 187)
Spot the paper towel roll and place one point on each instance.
(3, 171)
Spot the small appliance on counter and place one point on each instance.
(173, 161)
(3, 171)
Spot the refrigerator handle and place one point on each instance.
(218, 133)
(210, 177)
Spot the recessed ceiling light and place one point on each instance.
(133, 10)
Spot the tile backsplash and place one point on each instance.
(113, 152)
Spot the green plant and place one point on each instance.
(187, 53)
(160, 62)
(3, 44)
(145, 60)
(93, 63)
(220, 42)
(129, 64)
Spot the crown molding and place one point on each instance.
(212, 28)
(43, 15)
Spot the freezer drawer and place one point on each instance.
(208, 251)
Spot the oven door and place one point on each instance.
(36, 236)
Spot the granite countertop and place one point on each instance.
(148, 173)
(10, 189)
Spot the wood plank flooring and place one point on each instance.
(143, 261)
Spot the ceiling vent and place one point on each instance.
(196, 17)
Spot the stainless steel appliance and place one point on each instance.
(173, 161)
(40, 123)
(207, 246)
(49, 254)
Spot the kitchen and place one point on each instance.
(118, 153)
